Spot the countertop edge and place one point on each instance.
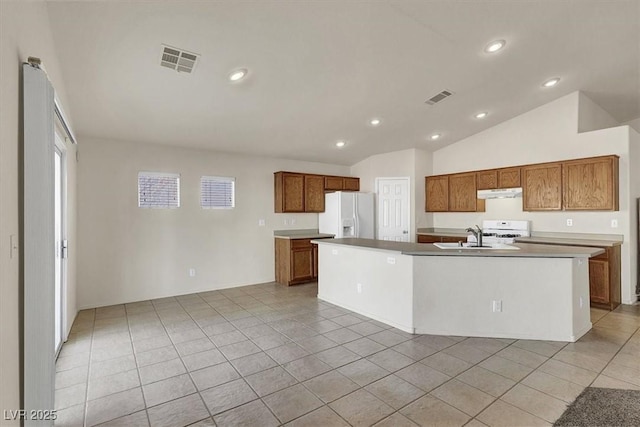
(532, 250)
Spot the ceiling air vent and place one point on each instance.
(439, 97)
(178, 59)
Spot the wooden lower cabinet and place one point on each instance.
(296, 261)
(605, 283)
(430, 238)
(605, 280)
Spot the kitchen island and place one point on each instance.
(538, 292)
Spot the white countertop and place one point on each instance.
(300, 234)
(526, 250)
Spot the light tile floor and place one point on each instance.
(271, 355)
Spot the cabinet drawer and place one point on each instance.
(300, 243)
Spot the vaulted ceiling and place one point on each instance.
(320, 70)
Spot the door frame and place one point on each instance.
(377, 189)
(61, 148)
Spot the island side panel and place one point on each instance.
(539, 297)
(385, 277)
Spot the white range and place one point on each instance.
(502, 231)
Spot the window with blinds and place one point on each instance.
(158, 190)
(217, 192)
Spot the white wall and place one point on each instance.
(413, 164)
(634, 185)
(24, 31)
(131, 254)
(547, 133)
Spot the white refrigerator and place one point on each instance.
(347, 214)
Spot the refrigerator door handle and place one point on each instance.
(356, 228)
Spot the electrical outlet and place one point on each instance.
(334, 251)
(286, 222)
(261, 222)
(192, 272)
(359, 288)
(391, 260)
(614, 223)
(569, 222)
(497, 306)
(581, 302)
(292, 221)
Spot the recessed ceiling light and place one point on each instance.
(435, 136)
(340, 144)
(495, 46)
(374, 122)
(238, 75)
(481, 115)
(551, 82)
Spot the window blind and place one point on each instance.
(158, 190)
(217, 192)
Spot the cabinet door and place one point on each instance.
(437, 193)
(333, 183)
(542, 187)
(351, 184)
(508, 177)
(314, 273)
(462, 192)
(590, 184)
(289, 192)
(313, 193)
(487, 180)
(301, 265)
(599, 281)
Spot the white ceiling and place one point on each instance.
(319, 70)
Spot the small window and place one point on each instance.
(217, 192)
(158, 190)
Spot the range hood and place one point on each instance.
(501, 193)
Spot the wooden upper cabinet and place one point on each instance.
(289, 192)
(487, 180)
(351, 184)
(314, 193)
(333, 183)
(437, 193)
(338, 183)
(463, 194)
(508, 178)
(591, 184)
(542, 187)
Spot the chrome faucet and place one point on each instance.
(477, 233)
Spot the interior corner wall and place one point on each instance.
(130, 254)
(635, 124)
(547, 133)
(423, 168)
(24, 32)
(591, 116)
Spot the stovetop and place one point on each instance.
(502, 231)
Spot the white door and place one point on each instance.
(393, 209)
(60, 249)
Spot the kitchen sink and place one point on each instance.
(501, 246)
